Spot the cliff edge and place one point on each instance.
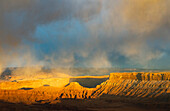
(140, 76)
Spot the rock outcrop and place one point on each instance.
(141, 85)
(135, 84)
(148, 76)
(46, 94)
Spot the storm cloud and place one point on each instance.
(85, 33)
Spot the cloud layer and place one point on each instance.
(85, 33)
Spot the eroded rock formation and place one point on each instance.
(149, 76)
(143, 85)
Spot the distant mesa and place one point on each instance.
(148, 76)
(89, 82)
(74, 85)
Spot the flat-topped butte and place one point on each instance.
(140, 75)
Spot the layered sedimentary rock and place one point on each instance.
(46, 94)
(135, 84)
(149, 76)
(143, 85)
(132, 88)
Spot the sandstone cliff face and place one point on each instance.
(46, 94)
(132, 88)
(143, 85)
(76, 91)
(135, 84)
(149, 76)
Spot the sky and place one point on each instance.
(85, 33)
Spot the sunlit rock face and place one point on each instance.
(141, 76)
(135, 84)
(133, 88)
(76, 91)
(141, 85)
(46, 94)
(15, 85)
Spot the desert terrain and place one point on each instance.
(143, 91)
(85, 55)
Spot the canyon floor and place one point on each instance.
(130, 91)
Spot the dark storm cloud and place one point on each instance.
(19, 19)
(119, 31)
(138, 29)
